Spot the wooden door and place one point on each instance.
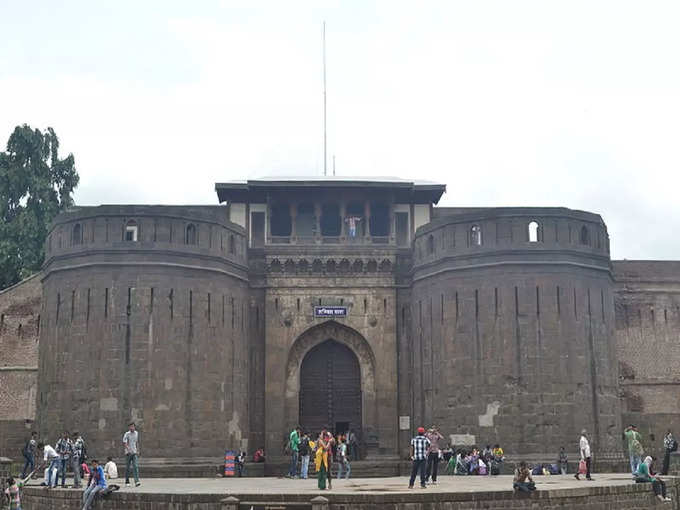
(330, 388)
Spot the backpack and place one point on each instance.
(495, 469)
(674, 446)
(84, 453)
(538, 470)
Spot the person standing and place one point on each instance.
(584, 448)
(322, 459)
(96, 483)
(131, 444)
(353, 445)
(303, 451)
(419, 447)
(433, 437)
(64, 448)
(77, 458)
(343, 459)
(29, 454)
(669, 446)
(635, 450)
(13, 493)
(563, 461)
(294, 446)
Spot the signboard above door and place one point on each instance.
(325, 312)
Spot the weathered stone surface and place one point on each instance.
(201, 336)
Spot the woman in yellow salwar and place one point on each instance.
(322, 459)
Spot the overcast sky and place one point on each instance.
(526, 103)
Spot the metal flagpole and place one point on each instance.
(325, 158)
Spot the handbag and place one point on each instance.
(582, 469)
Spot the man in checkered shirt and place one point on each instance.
(419, 447)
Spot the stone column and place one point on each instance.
(317, 214)
(367, 219)
(293, 214)
(343, 214)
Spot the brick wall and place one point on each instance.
(648, 346)
(19, 327)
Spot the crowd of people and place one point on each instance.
(326, 450)
(70, 453)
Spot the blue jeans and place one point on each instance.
(131, 464)
(304, 461)
(29, 465)
(634, 462)
(53, 464)
(62, 471)
(293, 463)
(89, 494)
(341, 465)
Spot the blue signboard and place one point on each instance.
(330, 311)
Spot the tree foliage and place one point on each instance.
(35, 185)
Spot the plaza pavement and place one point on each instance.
(461, 484)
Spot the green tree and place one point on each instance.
(35, 185)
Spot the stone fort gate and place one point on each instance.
(330, 381)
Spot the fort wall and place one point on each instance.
(648, 344)
(19, 328)
(513, 337)
(152, 330)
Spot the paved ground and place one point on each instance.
(367, 485)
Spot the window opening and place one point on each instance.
(330, 220)
(380, 219)
(534, 232)
(232, 244)
(585, 236)
(305, 220)
(430, 244)
(190, 235)
(131, 231)
(355, 220)
(476, 235)
(280, 222)
(77, 234)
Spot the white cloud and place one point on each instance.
(508, 103)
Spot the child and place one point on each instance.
(85, 470)
(110, 469)
(13, 493)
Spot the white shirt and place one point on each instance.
(49, 453)
(111, 470)
(130, 439)
(585, 447)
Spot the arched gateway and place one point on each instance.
(330, 380)
(330, 388)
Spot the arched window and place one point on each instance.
(76, 235)
(190, 236)
(232, 244)
(131, 231)
(534, 232)
(430, 244)
(585, 236)
(476, 235)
